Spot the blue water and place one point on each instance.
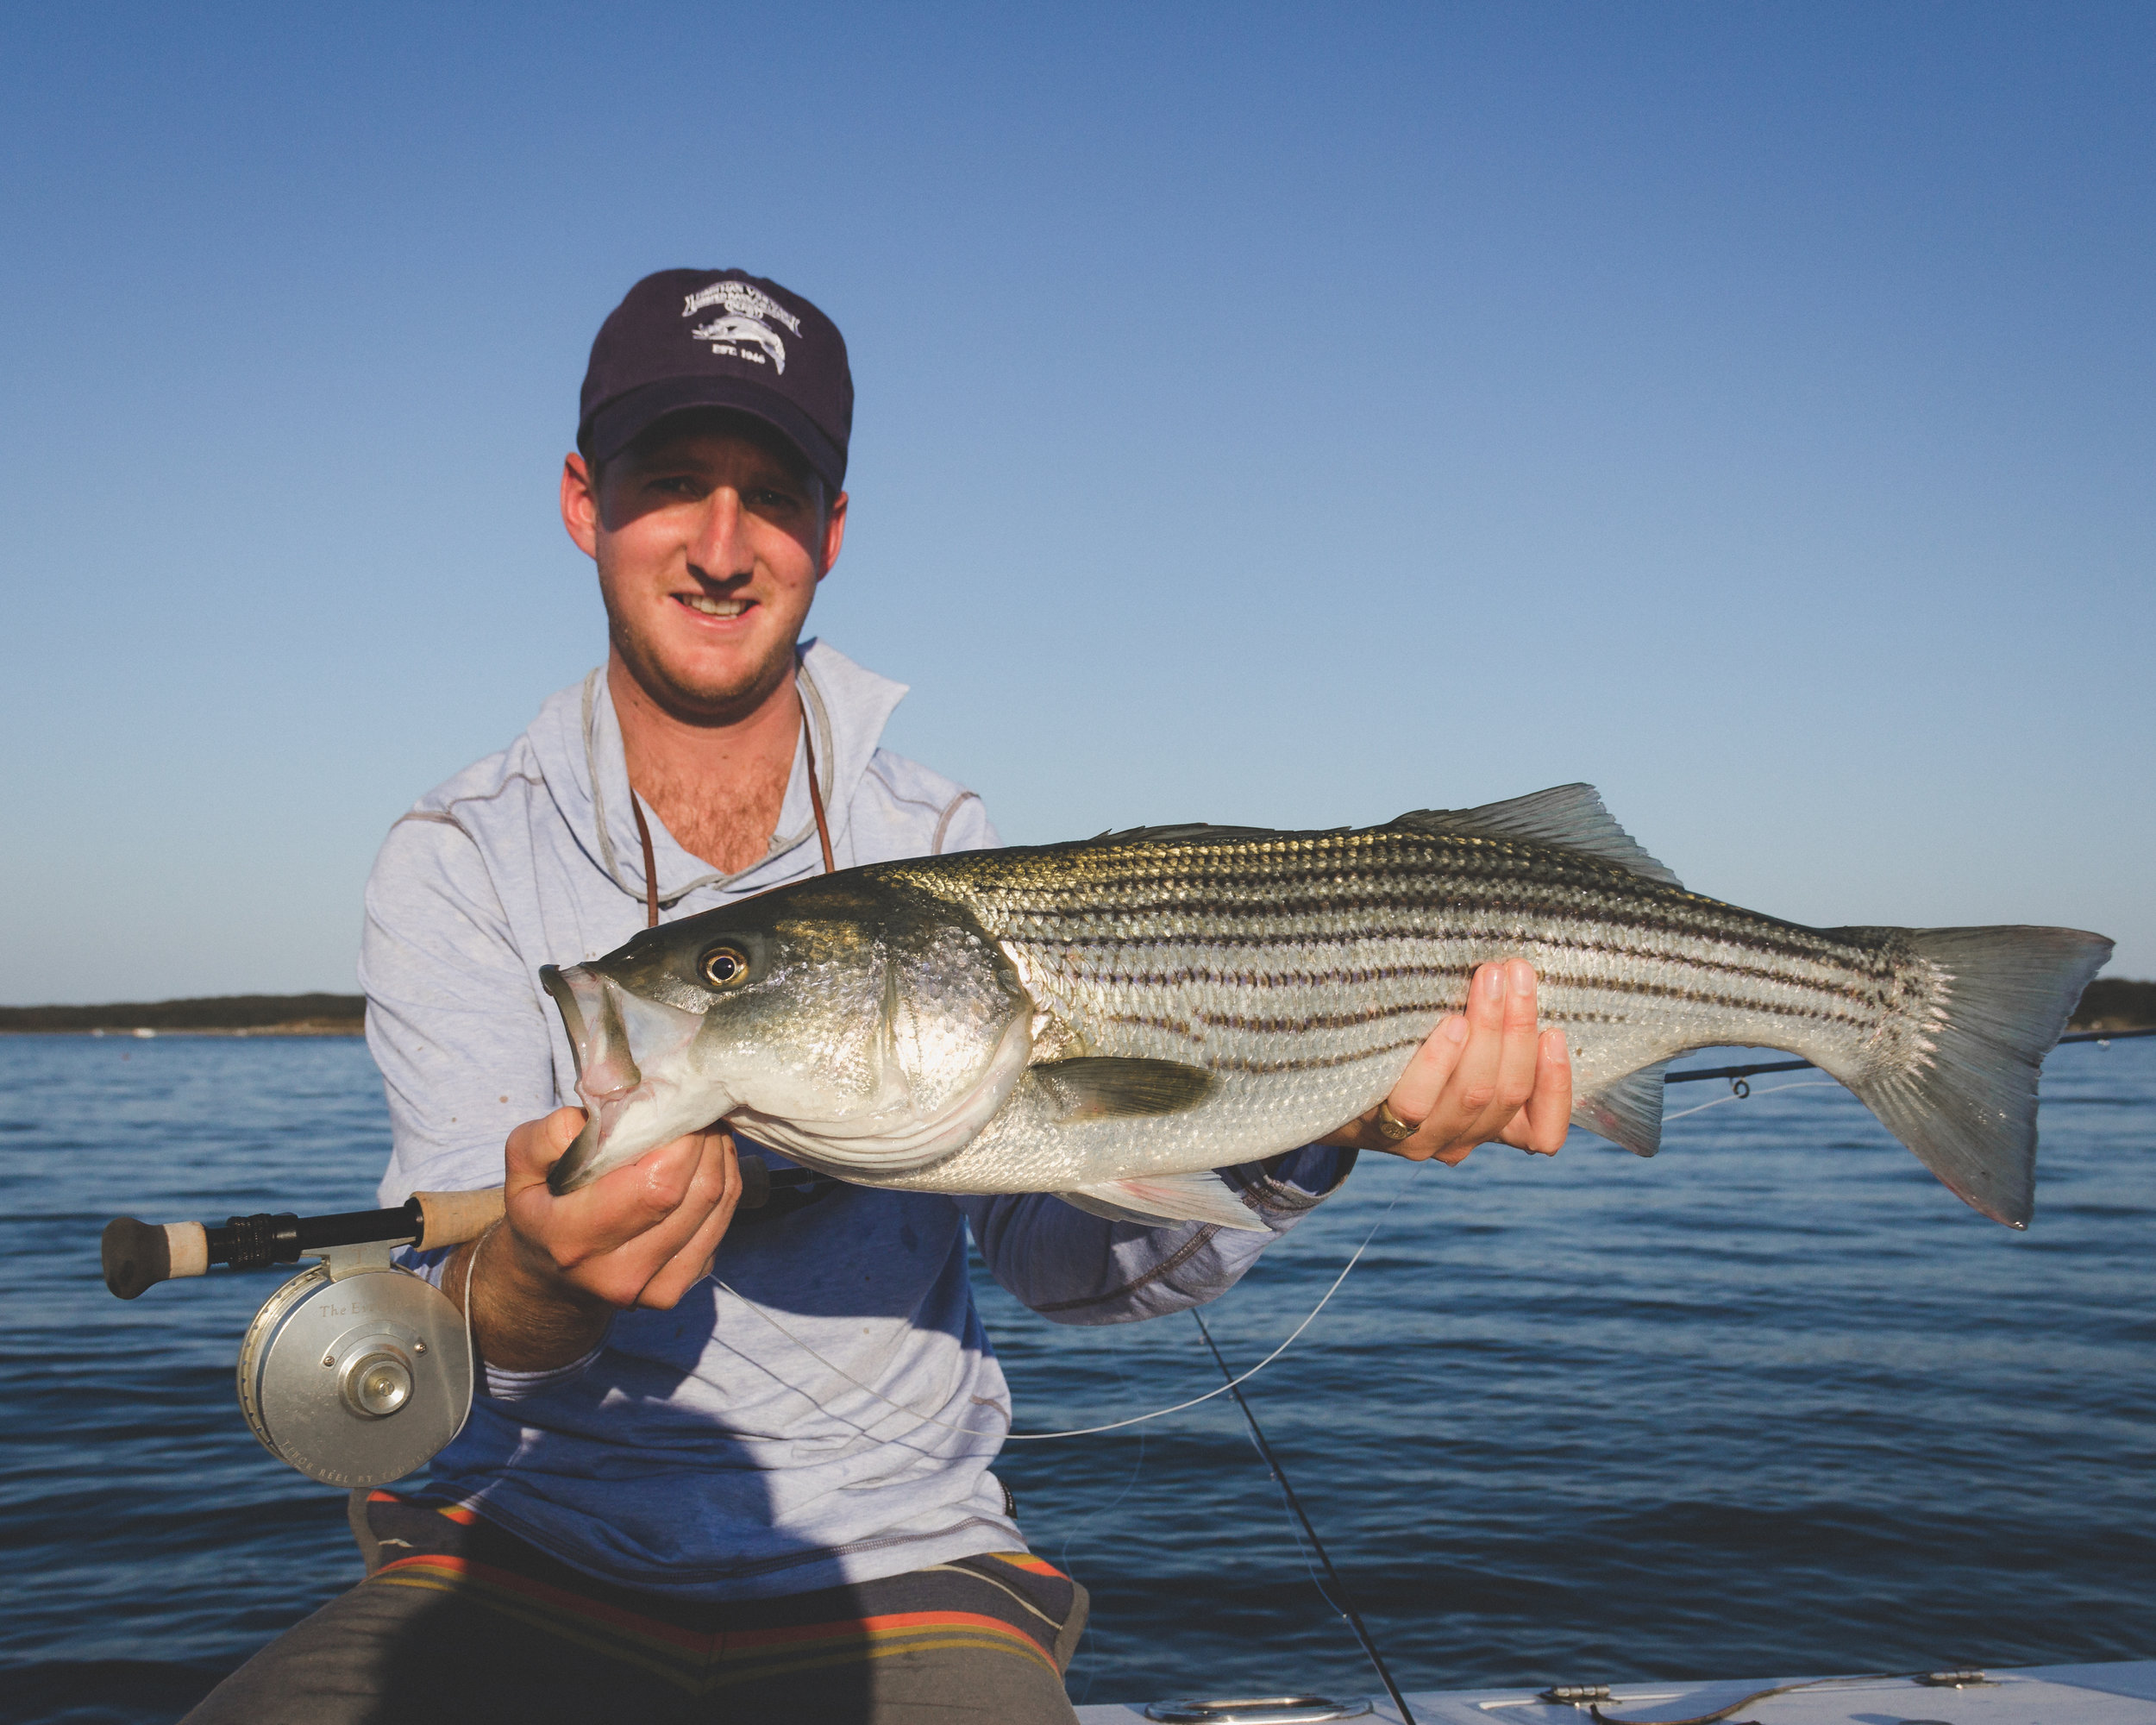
(1773, 1401)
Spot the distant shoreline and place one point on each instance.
(216, 1015)
(147, 1032)
(2111, 1003)
(2116, 1003)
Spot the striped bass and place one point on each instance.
(1108, 1020)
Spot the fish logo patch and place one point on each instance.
(744, 332)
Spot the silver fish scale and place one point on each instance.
(1303, 968)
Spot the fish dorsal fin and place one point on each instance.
(1570, 817)
(1197, 830)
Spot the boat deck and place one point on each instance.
(2124, 1693)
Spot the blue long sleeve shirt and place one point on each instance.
(826, 1407)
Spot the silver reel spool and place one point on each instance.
(356, 1372)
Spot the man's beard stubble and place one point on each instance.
(693, 704)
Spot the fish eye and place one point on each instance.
(725, 966)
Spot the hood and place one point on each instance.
(577, 740)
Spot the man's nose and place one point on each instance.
(716, 548)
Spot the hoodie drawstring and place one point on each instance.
(815, 796)
(816, 803)
(651, 867)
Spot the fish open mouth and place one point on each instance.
(632, 1073)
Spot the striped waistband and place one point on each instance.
(1010, 1603)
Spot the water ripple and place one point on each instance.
(1772, 1402)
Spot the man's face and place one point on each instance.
(710, 535)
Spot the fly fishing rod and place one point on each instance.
(1738, 1074)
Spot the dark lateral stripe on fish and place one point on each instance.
(1243, 1063)
(1552, 978)
(1418, 857)
(1547, 939)
(1503, 924)
(1631, 916)
(1552, 1014)
(1544, 941)
(1251, 1063)
(1100, 887)
(1289, 1026)
(1553, 984)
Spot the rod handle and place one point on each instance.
(136, 1255)
(452, 1218)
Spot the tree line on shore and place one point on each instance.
(224, 1014)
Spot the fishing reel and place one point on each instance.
(355, 1371)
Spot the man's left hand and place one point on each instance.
(1482, 1075)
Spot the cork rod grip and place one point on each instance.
(450, 1218)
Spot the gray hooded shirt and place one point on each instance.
(834, 1419)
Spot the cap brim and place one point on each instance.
(617, 423)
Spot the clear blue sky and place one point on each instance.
(1268, 414)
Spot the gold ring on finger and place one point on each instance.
(1391, 1126)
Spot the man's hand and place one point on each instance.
(1481, 1076)
(553, 1274)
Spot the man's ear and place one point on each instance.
(579, 504)
(834, 534)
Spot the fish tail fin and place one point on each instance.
(1960, 1089)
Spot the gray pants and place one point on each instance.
(464, 1623)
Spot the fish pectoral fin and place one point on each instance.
(1105, 1086)
(1571, 816)
(1628, 1112)
(1155, 1200)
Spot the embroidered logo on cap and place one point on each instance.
(745, 333)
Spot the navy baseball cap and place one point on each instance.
(688, 338)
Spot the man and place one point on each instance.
(672, 1502)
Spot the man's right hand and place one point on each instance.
(551, 1277)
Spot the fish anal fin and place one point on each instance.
(1156, 1200)
(1628, 1112)
(1570, 817)
(1105, 1086)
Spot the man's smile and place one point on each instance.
(705, 605)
